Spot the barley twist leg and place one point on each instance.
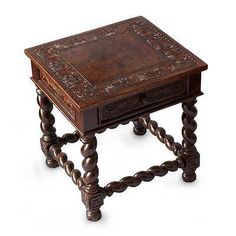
(92, 194)
(49, 132)
(189, 154)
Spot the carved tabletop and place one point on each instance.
(105, 65)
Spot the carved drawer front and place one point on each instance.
(58, 96)
(149, 99)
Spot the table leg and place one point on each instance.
(92, 194)
(138, 128)
(49, 132)
(190, 154)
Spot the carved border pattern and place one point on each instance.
(68, 104)
(81, 90)
(92, 202)
(156, 95)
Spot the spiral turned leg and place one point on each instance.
(49, 132)
(189, 153)
(138, 128)
(92, 194)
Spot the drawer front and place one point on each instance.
(154, 97)
(59, 97)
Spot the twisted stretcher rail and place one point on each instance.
(66, 164)
(160, 133)
(146, 176)
(69, 138)
(129, 181)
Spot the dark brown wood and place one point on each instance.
(69, 138)
(160, 133)
(189, 153)
(135, 180)
(139, 129)
(122, 70)
(92, 194)
(111, 76)
(66, 164)
(49, 132)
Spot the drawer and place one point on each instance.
(60, 99)
(155, 97)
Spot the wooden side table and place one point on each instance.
(110, 76)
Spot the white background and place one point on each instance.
(35, 200)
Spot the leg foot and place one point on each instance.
(93, 215)
(138, 128)
(189, 177)
(51, 163)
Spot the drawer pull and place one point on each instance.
(143, 98)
